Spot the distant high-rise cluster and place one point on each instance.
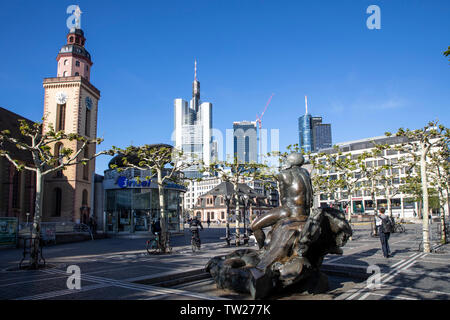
(245, 141)
(313, 134)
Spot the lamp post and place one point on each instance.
(246, 199)
(227, 232)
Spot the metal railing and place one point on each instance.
(50, 229)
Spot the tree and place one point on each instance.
(235, 172)
(419, 144)
(447, 53)
(162, 162)
(440, 180)
(39, 145)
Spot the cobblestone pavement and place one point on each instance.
(121, 269)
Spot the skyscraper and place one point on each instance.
(304, 130)
(313, 134)
(193, 125)
(245, 142)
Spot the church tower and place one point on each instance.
(71, 105)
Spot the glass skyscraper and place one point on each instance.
(245, 141)
(313, 135)
(304, 133)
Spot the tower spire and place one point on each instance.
(306, 104)
(196, 87)
(195, 70)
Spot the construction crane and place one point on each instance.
(258, 120)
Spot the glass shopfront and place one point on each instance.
(134, 209)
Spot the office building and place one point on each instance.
(245, 141)
(313, 134)
(193, 126)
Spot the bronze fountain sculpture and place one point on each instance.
(293, 250)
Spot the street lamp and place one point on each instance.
(227, 232)
(246, 199)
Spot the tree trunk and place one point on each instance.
(163, 217)
(237, 214)
(350, 209)
(36, 228)
(443, 229)
(423, 174)
(375, 209)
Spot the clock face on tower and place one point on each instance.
(88, 103)
(61, 97)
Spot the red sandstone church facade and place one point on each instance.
(70, 105)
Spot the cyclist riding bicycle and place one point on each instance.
(155, 228)
(194, 224)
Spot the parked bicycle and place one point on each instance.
(398, 227)
(154, 246)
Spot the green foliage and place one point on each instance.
(46, 158)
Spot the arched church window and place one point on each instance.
(65, 74)
(86, 166)
(58, 148)
(60, 117)
(57, 198)
(77, 73)
(84, 198)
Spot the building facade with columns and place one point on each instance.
(212, 205)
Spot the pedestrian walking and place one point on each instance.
(385, 227)
(208, 222)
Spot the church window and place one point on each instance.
(86, 166)
(77, 63)
(88, 121)
(16, 190)
(57, 194)
(60, 117)
(65, 74)
(77, 73)
(84, 200)
(58, 148)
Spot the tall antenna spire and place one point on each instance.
(195, 70)
(306, 104)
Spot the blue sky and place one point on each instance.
(364, 82)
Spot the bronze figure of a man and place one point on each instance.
(296, 201)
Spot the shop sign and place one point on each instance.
(124, 182)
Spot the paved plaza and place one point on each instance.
(118, 268)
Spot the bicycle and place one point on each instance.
(154, 246)
(398, 228)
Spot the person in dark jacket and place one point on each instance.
(384, 231)
(194, 224)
